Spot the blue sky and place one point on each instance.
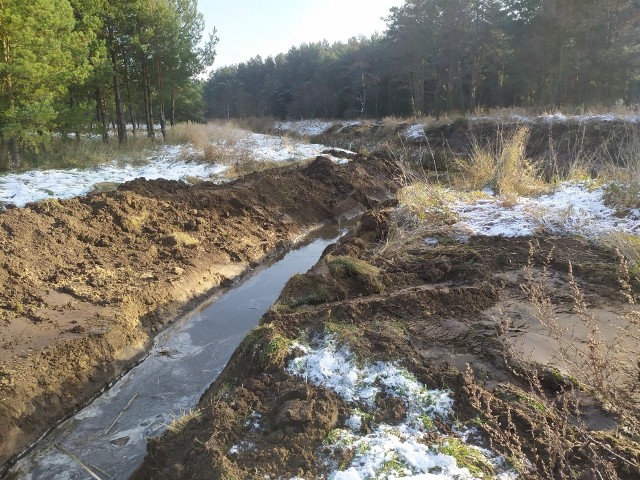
(267, 27)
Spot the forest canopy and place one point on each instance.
(73, 66)
(448, 55)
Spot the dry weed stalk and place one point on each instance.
(605, 367)
(549, 439)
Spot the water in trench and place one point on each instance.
(110, 435)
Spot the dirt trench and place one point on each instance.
(436, 309)
(87, 282)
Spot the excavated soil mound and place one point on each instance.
(87, 282)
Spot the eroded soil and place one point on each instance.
(87, 282)
(436, 309)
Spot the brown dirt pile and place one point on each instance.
(436, 309)
(86, 282)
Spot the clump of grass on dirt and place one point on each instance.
(359, 270)
(346, 266)
(467, 457)
(628, 246)
(309, 290)
(503, 166)
(622, 196)
(181, 421)
(428, 202)
(266, 348)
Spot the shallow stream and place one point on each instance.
(109, 436)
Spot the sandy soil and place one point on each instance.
(88, 281)
(435, 309)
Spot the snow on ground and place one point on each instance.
(278, 149)
(558, 118)
(389, 451)
(414, 133)
(573, 209)
(168, 163)
(35, 185)
(305, 127)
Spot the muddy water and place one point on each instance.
(109, 436)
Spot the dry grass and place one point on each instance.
(502, 166)
(257, 124)
(627, 246)
(86, 153)
(541, 431)
(179, 422)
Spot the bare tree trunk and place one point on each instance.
(128, 87)
(102, 116)
(163, 123)
(14, 153)
(148, 104)
(172, 118)
(120, 125)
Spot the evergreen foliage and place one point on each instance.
(448, 55)
(72, 66)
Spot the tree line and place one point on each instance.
(72, 66)
(448, 55)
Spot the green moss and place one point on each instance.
(468, 457)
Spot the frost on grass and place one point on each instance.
(573, 209)
(390, 451)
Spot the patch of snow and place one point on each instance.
(334, 367)
(35, 185)
(557, 118)
(253, 422)
(168, 163)
(398, 451)
(414, 133)
(278, 149)
(432, 242)
(304, 127)
(241, 447)
(400, 445)
(573, 209)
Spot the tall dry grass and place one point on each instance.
(503, 166)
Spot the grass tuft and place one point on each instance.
(503, 166)
(267, 348)
(346, 266)
(468, 457)
(181, 421)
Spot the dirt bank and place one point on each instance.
(87, 282)
(556, 145)
(436, 309)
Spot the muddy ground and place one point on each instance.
(436, 309)
(87, 282)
